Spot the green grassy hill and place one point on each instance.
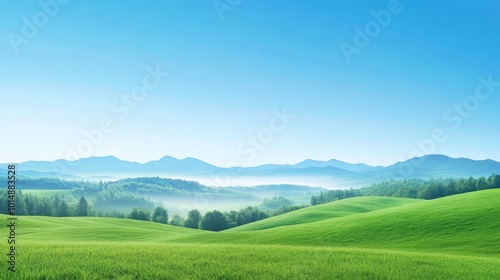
(449, 238)
(97, 229)
(465, 224)
(337, 209)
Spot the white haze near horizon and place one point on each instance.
(320, 182)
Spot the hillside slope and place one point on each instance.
(33, 228)
(465, 224)
(337, 209)
(449, 238)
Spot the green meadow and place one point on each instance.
(341, 208)
(456, 237)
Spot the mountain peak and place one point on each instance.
(166, 158)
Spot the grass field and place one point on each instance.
(336, 209)
(455, 237)
(130, 260)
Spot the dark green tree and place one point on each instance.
(160, 215)
(31, 202)
(177, 221)
(314, 200)
(20, 204)
(63, 210)
(193, 220)
(57, 201)
(233, 218)
(44, 208)
(276, 202)
(481, 183)
(495, 181)
(214, 221)
(140, 214)
(82, 209)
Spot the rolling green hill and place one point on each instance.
(341, 208)
(97, 229)
(465, 224)
(371, 238)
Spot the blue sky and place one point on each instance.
(228, 76)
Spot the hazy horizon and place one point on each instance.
(270, 163)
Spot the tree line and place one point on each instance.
(57, 206)
(414, 188)
(128, 193)
(213, 220)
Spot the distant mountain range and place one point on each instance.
(328, 174)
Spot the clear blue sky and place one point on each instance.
(228, 75)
